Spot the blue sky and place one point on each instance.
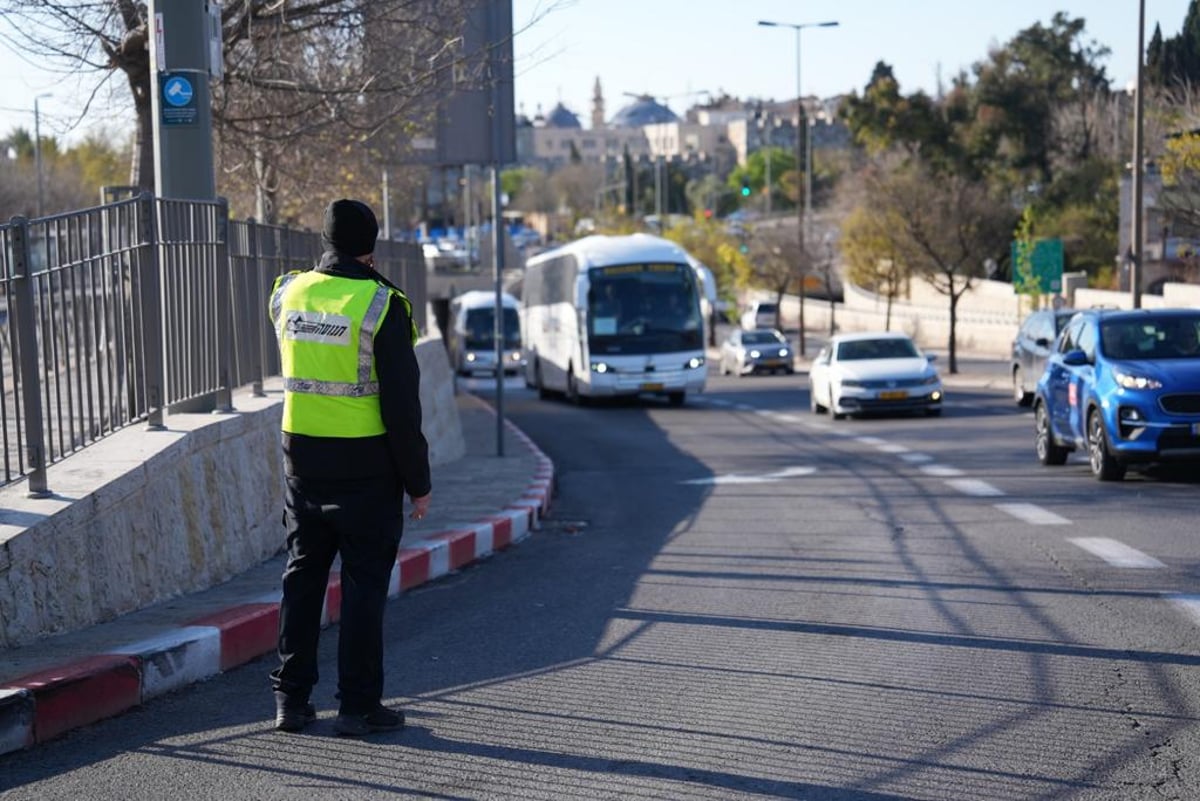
(673, 47)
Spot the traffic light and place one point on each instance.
(745, 187)
(708, 214)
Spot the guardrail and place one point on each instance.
(119, 314)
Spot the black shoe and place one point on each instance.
(291, 716)
(379, 719)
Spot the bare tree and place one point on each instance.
(775, 261)
(313, 90)
(943, 227)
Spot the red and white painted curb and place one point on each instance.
(43, 705)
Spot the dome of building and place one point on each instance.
(562, 117)
(643, 111)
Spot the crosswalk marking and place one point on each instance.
(916, 458)
(940, 470)
(1189, 604)
(1116, 553)
(975, 487)
(1033, 514)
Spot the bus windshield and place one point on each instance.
(643, 308)
(481, 325)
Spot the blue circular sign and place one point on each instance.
(177, 91)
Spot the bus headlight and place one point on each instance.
(599, 367)
(470, 357)
(695, 362)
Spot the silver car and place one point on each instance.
(760, 350)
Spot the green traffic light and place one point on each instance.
(745, 190)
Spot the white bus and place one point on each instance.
(613, 315)
(472, 339)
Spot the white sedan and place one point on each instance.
(859, 373)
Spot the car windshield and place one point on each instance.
(1151, 338)
(761, 338)
(480, 329)
(766, 308)
(876, 349)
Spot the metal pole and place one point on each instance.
(1135, 268)
(37, 152)
(801, 208)
(21, 307)
(183, 151)
(497, 225)
(387, 208)
(768, 152)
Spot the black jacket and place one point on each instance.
(402, 453)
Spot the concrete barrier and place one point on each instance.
(144, 516)
(987, 318)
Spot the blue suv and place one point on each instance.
(1125, 386)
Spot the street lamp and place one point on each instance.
(1135, 265)
(802, 210)
(37, 148)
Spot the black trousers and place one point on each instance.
(362, 521)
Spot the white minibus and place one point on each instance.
(472, 338)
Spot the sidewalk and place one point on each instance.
(481, 503)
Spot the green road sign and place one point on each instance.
(1044, 269)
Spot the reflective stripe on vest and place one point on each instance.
(330, 387)
(366, 348)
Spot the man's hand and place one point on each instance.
(420, 506)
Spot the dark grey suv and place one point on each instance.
(1031, 348)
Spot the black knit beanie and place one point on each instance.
(350, 228)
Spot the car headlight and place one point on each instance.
(599, 367)
(783, 351)
(470, 357)
(1131, 381)
(695, 362)
(851, 382)
(754, 354)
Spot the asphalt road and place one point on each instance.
(739, 599)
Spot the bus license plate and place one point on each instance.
(651, 387)
(898, 394)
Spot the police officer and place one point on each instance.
(352, 447)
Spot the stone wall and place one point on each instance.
(143, 516)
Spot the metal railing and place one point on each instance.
(114, 315)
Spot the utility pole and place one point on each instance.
(37, 152)
(802, 210)
(180, 60)
(1135, 266)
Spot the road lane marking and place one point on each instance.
(916, 458)
(891, 447)
(975, 488)
(1033, 514)
(790, 418)
(941, 470)
(872, 441)
(1189, 604)
(1116, 553)
(766, 478)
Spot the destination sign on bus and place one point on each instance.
(628, 269)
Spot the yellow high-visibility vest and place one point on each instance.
(326, 328)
